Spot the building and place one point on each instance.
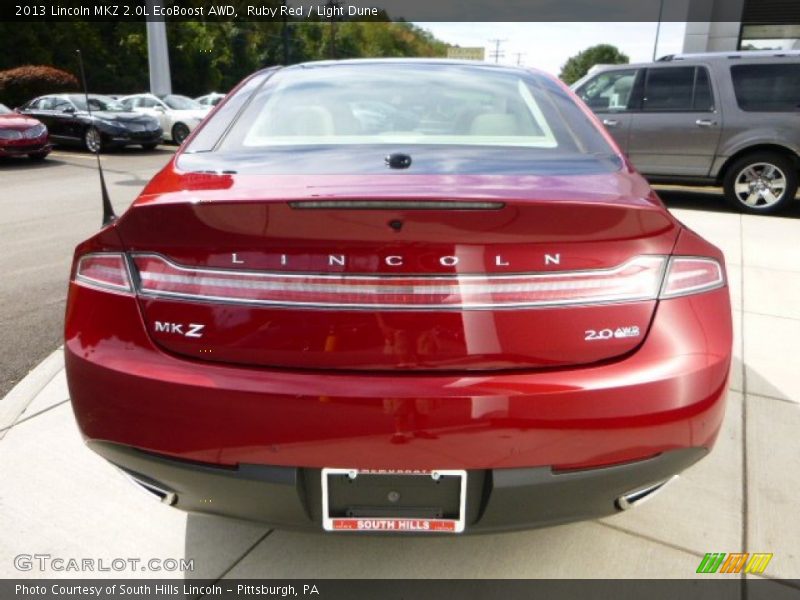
(466, 53)
(723, 25)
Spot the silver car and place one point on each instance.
(178, 115)
(730, 119)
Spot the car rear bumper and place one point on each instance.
(497, 499)
(668, 394)
(25, 149)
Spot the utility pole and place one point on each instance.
(497, 54)
(285, 36)
(519, 56)
(334, 4)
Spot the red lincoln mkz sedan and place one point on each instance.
(399, 296)
(21, 135)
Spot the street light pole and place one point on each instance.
(157, 51)
(658, 28)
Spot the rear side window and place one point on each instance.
(767, 88)
(677, 89)
(703, 96)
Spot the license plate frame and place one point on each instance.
(399, 524)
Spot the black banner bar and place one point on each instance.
(395, 10)
(703, 587)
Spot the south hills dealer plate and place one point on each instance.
(412, 501)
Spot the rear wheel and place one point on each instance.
(761, 182)
(179, 133)
(92, 140)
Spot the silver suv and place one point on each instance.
(730, 119)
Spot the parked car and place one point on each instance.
(472, 316)
(107, 125)
(22, 136)
(177, 114)
(211, 99)
(728, 119)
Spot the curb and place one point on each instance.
(22, 394)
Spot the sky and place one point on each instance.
(547, 46)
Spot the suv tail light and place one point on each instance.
(691, 275)
(105, 270)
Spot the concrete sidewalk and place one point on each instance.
(58, 498)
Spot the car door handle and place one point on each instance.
(610, 122)
(705, 123)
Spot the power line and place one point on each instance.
(497, 54)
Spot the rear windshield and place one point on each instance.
(176, 102)
(476, 111)
(767, 88)
(97, 102)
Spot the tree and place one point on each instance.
(20, 84)
(602, 54)
(204, 55)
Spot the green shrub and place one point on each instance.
(21, 84)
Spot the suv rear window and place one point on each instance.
(767, 88)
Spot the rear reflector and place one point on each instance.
(104, 270)
(690, 275)
(638, 279)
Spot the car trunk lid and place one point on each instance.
(335, 273)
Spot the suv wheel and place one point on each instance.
(761, 183)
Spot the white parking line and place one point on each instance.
(75, 155)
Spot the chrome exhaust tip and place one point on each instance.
(640, 495)
(164, 495)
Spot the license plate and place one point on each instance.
(394, 500)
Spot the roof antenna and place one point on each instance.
(108, 210)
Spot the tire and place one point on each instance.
(37, 156)
(761, 183)
(149, 146)
(179, 133)
(93, 140)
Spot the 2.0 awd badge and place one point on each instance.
(591, 335)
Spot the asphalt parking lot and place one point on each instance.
(46, 208)
(60, 499)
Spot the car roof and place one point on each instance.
(410, 62)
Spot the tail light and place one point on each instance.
(638, 279)
(105, 270)
(691, 275)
